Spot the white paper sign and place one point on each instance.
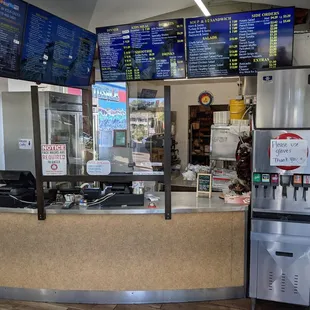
(288, 153)
(100, 167)
(54, 159)
(25, 144)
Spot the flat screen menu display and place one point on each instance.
(239, 44)
(56, 51)
(12, 19)
(147, 51)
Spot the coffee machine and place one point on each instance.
(280, 223)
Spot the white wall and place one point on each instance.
(184, 96)
(25, 86)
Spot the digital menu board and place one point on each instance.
(12, 19)
(239, 44)
(145, 51)
(56, 51)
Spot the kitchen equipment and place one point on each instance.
(61, 123)
(283, 98)
(280, 238)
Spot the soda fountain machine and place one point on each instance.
(280, 223)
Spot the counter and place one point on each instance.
(127, 255)
(181, 203)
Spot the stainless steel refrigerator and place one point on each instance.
(61, 123)
(280, 225)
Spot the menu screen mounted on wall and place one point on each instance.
(12, 19)
(146, 51)
(56, 51)
(240, 43)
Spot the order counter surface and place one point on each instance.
(181, 203)
(125, 255)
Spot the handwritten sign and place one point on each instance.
(101, 167)
(204, 185)
(290, 152)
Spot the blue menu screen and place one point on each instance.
(12, 19)
(56, 51)
(145, 51)
(239, 44)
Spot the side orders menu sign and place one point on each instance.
(54, 159)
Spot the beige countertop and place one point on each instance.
(181, 203)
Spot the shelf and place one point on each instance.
(206, 154)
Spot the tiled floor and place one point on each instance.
(214, 305)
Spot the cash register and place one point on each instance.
(17, 189)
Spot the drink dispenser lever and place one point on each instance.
(296, 182)
(274, 180)
(306, 185)
(285, 181)
(265, 182)
(257, 181)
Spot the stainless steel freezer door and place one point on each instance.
(280, 264)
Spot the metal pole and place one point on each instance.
(37, 151)
(167, 153)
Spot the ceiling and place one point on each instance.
(305, 4)
(95, 13)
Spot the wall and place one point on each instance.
(184, 96)
(25, 86)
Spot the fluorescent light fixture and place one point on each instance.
(203, 8)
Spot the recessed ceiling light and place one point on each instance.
(203, 8)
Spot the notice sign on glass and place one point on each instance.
(288, 153)
(54, 159)
(145, 51)
(239, 43)
(12, 18)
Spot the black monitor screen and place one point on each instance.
(240, 43)
(12, 19)
(147, 51)
(56, 51)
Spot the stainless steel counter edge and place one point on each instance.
(181, 203)
(124, 211)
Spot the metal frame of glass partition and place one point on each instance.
(40, 179)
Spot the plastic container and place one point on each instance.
(239, 122)
(237, 109)
(221, 118)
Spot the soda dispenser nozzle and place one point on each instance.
(265, 182)
(296, 182)
(257, 181)
(274, 181)
(285, 181)
(306, 185)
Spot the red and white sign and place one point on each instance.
(288, 152)
(54, 159)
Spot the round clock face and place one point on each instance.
(205, 98)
